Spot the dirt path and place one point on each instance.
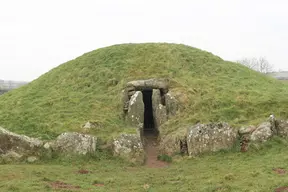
(151, 149)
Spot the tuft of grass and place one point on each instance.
(80, 90)
(165, 158)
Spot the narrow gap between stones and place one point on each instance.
(149, 124)
(150, 131)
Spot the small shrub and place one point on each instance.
(229, 177)
(165, 158)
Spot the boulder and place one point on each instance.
(262, 133)
(159, 110)
(171, 104)
(129, 147)
(16, 147)
(246, 130)
(135, 114)
(73, 143)
(273, 123)
(11, 156)
(211, 137)
(282, 128)
(32, 159)
(244, 135)
(172, 143)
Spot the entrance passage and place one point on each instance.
(149, 124)
(150, 131)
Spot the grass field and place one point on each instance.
(253, 171)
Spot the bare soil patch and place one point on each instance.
(83, 171)
(280, 171)
(62, 185)
(281, 189)
(151, 149)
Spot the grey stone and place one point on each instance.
(171, 144)
(262, 133)
(211, 137)
(11, 156)
(130, 93)
(32, 159)
(74, 143)
(47, 146)
(246, 130)
(171, 104)
(149, 83)
(159, 110)
(129, 147)
(135, 115)
(273, 122)
(14, 146)
(282, 128)
(129, 89)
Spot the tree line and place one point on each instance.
(8, 85)
(258, 64)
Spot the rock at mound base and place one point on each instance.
(262, 133)
(211, 137)
(15, 147)
(129, 147)
(74, 143)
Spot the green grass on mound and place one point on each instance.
(78, 91)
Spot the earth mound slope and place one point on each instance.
(80, 90)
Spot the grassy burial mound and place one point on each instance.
(89, 87)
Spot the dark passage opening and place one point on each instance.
(150, 131)
(149, 125)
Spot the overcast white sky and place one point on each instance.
(38, 35)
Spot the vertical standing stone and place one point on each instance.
(159, 110)
(171, 105)
(135, 115)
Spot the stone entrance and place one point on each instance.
(147, 104)
(144, 104)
